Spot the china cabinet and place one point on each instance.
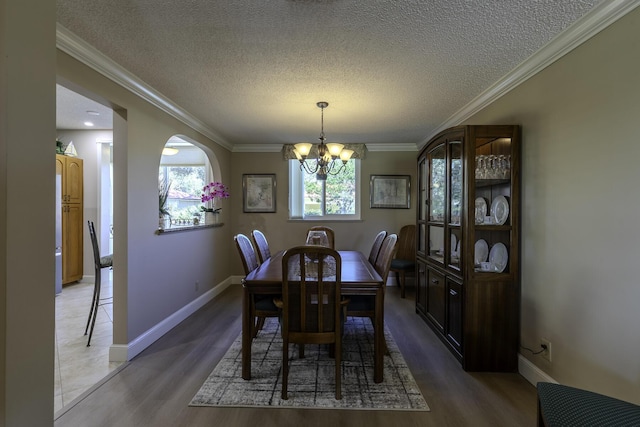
(71, 171)
(467, 252)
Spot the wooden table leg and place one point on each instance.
(378, 340)
(246, 334)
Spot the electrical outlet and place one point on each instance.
(546, 344)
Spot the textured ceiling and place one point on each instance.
(392, 71)
(73, 110)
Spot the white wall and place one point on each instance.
(580, 236)
(154, 275)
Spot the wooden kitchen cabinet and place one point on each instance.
(71, 171)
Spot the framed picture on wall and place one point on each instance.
(390, 191)
(259, 193)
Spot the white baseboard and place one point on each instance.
(531, 372)
(124, 353)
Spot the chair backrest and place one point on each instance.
(247, 253)
(94, 243)
(375, 248)
(328, 230)
(311, 294)
(387, 251)
(407, 243)
(262, 246)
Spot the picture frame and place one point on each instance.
(259, 193)
(390, 191)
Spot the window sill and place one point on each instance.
(323, 220)
(179, 228)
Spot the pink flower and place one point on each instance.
(211, 192)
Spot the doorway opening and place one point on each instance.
(78, 367)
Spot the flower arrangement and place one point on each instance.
(211, 192)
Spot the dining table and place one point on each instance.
(358, 278)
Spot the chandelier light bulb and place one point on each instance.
(345, 155)
(335, 149)
(303, 148)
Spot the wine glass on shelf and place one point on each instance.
(492, 167)
(480, 166)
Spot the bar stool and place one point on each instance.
(99, 263)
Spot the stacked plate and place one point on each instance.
(499, 210)
(481, 251)
(498, 256)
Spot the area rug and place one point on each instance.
(311, 379)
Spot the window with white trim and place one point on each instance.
(337, 198)
(184, 174)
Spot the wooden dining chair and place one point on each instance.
(262, 306)
(364, 305)
(99, 263)
(311, 305)
(261, 244)
(375, 248)
(405, 260)
(328, 230)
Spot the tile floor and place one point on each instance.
(78, 367)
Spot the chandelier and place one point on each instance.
(328, 154)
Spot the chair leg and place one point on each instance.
(259, 324)
(385, 349)
(338, 357)
(95, 305)
(94, 301)
(401, 284)
(285, 368)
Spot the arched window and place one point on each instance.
(184, 170)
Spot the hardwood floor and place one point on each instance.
(156, 387)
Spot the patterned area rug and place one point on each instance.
(311, 379)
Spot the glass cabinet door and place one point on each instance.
(437, 202)
(456, 179)
(436, 243)
(437, 183)
(492, 205)
(456, 182)
(423, 174)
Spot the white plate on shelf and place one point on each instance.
(481, 250)
(481, 210)
(499, 257)
(500, 210)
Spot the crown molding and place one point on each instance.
(600, 17)
(276, 148)
(79, 49)
(377, 146)
(257, 148)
